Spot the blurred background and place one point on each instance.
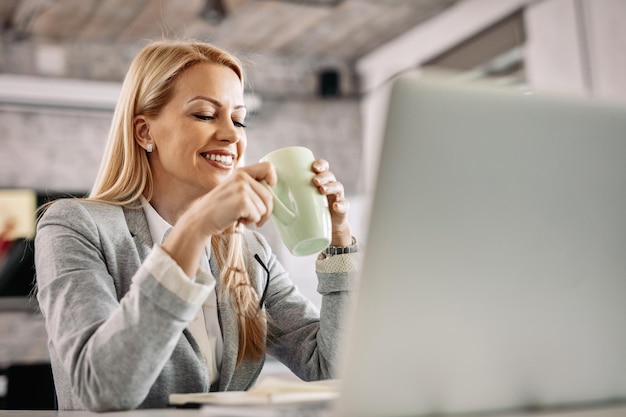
(318, 75)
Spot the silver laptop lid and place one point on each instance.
(494, 276)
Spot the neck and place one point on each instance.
(169, 205)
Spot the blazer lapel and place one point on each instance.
(139, 230)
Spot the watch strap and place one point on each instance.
(340, 250)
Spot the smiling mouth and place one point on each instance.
(226, 160)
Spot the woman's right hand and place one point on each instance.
(239, 198)
(242, 198)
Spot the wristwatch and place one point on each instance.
(340, 250)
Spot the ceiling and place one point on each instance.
(290, 39)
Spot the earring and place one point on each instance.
(149, 148)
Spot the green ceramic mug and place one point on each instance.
(300, 213)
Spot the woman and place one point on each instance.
(153, 285)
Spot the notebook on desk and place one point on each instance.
(494, 274)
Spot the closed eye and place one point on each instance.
(206, 117)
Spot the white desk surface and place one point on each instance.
(615, 411)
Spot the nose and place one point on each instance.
(228, 132)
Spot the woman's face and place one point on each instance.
(199, 135)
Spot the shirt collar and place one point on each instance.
(159, 228)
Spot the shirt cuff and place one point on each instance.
(170, 275)
(347, 262)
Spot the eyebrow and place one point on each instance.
(214, 101)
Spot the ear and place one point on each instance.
(141, 131)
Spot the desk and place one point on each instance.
(617, 411)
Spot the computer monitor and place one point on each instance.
(494, 272)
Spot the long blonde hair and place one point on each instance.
(125, 175)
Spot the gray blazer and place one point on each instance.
(118, 338)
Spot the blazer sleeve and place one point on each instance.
(111, 345)
(306, 339)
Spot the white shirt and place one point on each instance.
(205, 328)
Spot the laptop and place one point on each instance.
(494, 274)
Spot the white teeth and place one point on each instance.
(224, 159)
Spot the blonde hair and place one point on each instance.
(124, 174)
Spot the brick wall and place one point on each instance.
(60, 149)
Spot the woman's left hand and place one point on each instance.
(327, 184)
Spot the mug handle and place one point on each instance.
(281, 211)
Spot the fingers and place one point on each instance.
(341, 206)
(262, 171)
(264, 201)
(241, 198)
(319, 166)
(327, 184)
(256, 200)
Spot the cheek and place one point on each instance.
(174, 142)
(161, 134)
